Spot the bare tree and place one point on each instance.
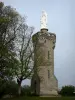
(24, 51)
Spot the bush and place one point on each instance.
(67, 90)
(11, 88)
(8, 88)
(26, 90)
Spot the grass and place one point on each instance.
(41, 98)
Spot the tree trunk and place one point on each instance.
(19, 86)
(19, 89)
(19, 81)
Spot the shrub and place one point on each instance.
(8, 88)
(67, 90)
(26, 90)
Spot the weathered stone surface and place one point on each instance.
(44, 81)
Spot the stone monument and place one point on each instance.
(43, 81)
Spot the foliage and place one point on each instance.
(8, 88)
(67, 90)
(8, 30)
(15, 45)
(26, 90)
(11, 88)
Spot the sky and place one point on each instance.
(61, 21)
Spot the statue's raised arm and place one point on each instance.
(44, 20)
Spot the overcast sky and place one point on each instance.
(61, 20)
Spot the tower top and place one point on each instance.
(43, 20)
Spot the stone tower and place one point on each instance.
(44, 81)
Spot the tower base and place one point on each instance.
(44, 88)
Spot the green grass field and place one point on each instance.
(41, 98)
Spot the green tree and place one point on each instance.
(67, 90)
(9, 24)
(15, 46)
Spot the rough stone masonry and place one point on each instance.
(44, 82)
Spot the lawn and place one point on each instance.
(41, 98)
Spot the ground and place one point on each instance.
(41, 98)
